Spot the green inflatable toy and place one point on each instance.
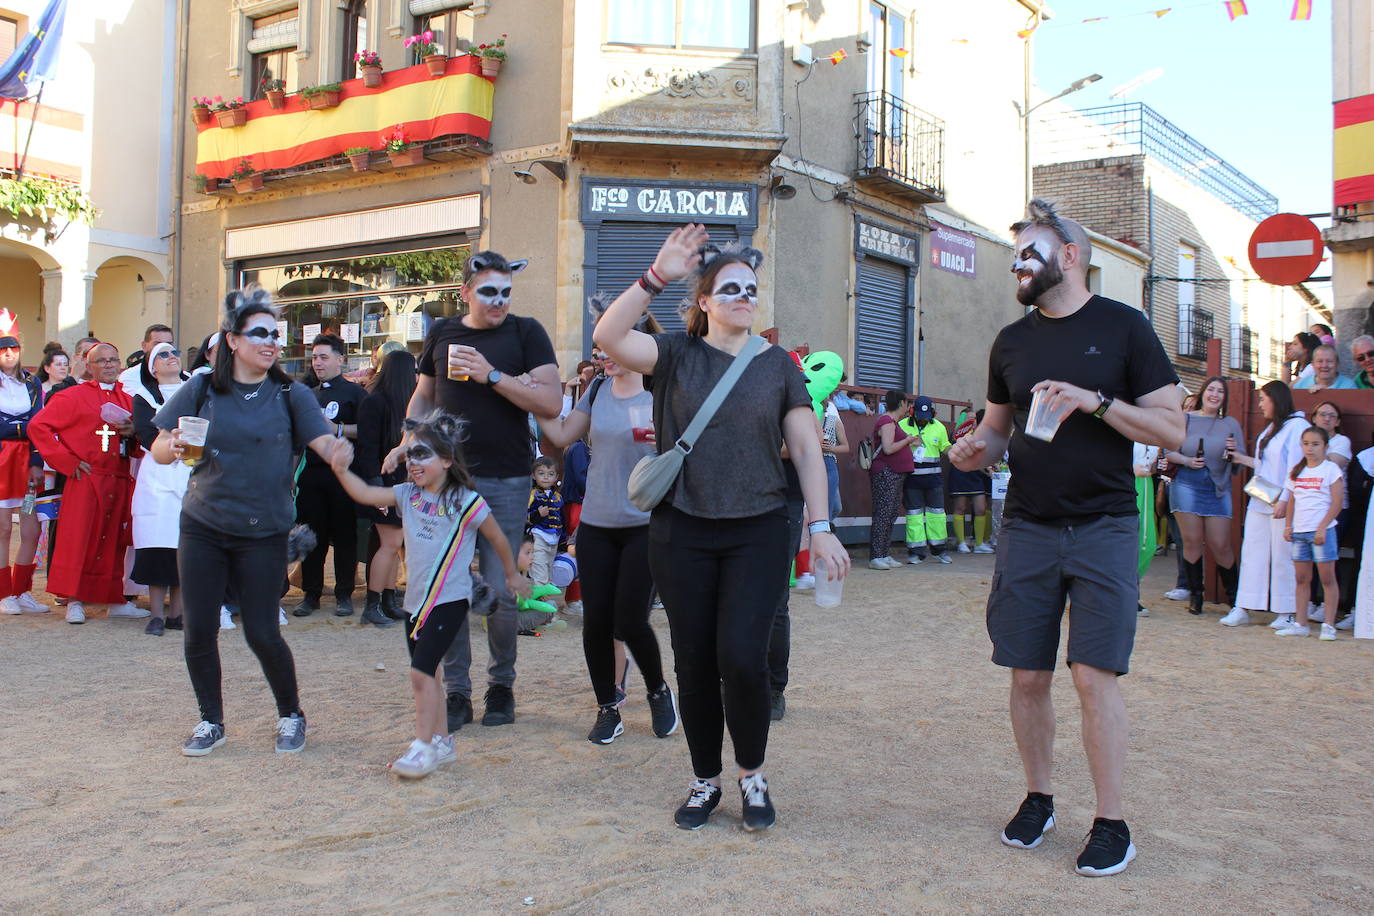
(822, 371)
(533, 602)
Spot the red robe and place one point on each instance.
(95, 524)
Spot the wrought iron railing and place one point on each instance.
(1200, 331)
(1243, 343)
(901, 144)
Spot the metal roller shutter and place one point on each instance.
(625, 249)
(883, 332)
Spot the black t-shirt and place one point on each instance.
(339, 399)
(1085, 472)
(498, 443)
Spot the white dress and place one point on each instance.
(1364, 586)
(1267, 580)
(158, 493)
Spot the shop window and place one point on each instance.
(354, 35)
(452, 27)
(273, 49)
(681, 23)
(9, 36)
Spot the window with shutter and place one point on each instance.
(882, 353)
(9, 37)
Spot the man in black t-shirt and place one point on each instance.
(321, 501)
(1069, 528)
(493, 369)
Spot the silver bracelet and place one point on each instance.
(818, 528)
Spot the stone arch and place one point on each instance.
(128, 294)
(22, 276)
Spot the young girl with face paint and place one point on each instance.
(441, 515)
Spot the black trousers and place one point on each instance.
(207, 561)
(719, 580)
(322, 504)
(780, 642)
(617, 590)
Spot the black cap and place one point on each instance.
(9, 341)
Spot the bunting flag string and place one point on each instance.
(1236, 9)
(1301, 12)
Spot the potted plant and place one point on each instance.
(360, 157)
(370, 63)
(205, 185)
(429, 52)
(245, 177)
(230, 113)
(200, 109)
(400, 149)
(318, 97)
(275, 90)
(492, 56)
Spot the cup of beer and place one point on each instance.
(193, 433)
(457, 375)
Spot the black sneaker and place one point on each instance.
(307, 607)
(291, 734)
(174, 623)
(702, 799)
(1108, 849)
(372, 612)
(156, 626)
(663, 711)
(500, 703)
(459, 711)
(778, 707)
(1033, 820)
(758, 808)
(203, 740)
(608, 726)
(343, 607)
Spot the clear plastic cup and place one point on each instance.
(828, 591)
(642, 423)
(193, 433)
(1042, 423)
(456, 375)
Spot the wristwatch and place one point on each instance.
(1107, 401)
(821, 527)
(493, 376)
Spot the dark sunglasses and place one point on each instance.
(263, 334)
(1361, 357)
(168, 354)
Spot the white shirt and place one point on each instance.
(14, 396)
(1311, 495)
(1281, 453)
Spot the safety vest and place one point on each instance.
(933, 442)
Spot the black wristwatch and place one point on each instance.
(1107, 401)
(493, 376)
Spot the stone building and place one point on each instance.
(1351, 236)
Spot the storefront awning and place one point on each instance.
(426, 108)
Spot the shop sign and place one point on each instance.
(670, 202)
(952, 250)
(887, 243)
(311, 331)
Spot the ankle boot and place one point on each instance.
(1230, 581)
(391, 605)
(372, 611)
(1194, 573)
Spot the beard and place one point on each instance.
(1047, 278)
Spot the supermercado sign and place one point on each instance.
(670, 202)
(952, 250)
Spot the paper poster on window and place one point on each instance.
(310, 332)
(349, 333)
(282, 338)
(415, 326)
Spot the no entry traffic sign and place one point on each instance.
(1285, 249)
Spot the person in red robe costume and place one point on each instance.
(75, 439)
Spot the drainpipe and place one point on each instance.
(183, 25)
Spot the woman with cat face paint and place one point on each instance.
(718, 543)
(238, 507)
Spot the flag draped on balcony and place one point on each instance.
(35, 60)
(1353, 165)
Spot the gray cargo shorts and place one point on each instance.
(1093, 565)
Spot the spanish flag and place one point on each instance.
(1236, 8)
(1302, 9)
(1353, 168)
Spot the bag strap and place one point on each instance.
(446, 561)
(718, 394)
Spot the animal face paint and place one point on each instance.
(1036, 265)
(492, 295)
(420, 454)
(729, 290)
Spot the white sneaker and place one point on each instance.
(1294, 629)
(1177, 594)
(879, 563)
(946, 558)
(1315, 611)
(1237, 617)
(418, 761)
(444, 750)
(1142, 611)
(127, 610)
(226, 621)
(914, 560)
(76, 613)
(574, 609)
(281, 620)
(806, 582)
(1328, 632)
(10, 606)
(985, 547)
(963, 548)
(29, 605)
(1283, 620)
(1346, 623)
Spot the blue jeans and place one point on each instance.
(832, 477)
(508, 498)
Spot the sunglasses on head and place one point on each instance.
(261, 334)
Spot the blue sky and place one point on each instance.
(1256, 91)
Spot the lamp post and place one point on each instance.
(1025, 122)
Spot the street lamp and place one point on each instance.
(1025, 122)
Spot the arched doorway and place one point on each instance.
(128, 295)
(21, 277)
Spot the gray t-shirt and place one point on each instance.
(614, 453)
(427, 535)
(735, 468)
(243, 485)
(1212, 432)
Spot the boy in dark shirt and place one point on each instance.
(545, 520)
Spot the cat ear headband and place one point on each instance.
(599, 302)
(490, 260)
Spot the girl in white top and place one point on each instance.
(1315, 487)
(1266, 570)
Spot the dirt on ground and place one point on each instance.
(893, 772)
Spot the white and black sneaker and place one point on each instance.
(608, 726)
(758, 807)
(203, 740)
(663, 711)
(1033, 820)
(1108, 849)
(702, 799)
(291, 734)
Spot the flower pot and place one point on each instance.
(250, 184)
(437, 64)
(360, 161)
(201, 115)
(372, 77)
(322, 100)
(276, 98)
(411, 155)
(491, 66)
(211, 186)
(232, 117)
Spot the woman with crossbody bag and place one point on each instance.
(718, 541)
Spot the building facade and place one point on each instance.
(1351, 236)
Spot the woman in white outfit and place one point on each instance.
(1267, 579)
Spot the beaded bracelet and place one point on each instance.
(649, 286)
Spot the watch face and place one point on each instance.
(493, 376)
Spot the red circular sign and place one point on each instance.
(1285, 249)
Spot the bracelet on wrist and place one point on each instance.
(649, 286)
(821, 527)
(658, 278)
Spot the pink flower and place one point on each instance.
(411, 40)
(428, 35)
(219, 98)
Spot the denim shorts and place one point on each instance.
(1305, 551)
(1193, 491)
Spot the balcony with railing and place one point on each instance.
(901, 149)
(1199, 328)
(1244, 344)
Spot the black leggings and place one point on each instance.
(719, 580)
(436, 636)
(780, 642)
(617, 590)
(207, 561)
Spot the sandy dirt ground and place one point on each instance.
(1249, 778)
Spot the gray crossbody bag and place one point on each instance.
(653, 475)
